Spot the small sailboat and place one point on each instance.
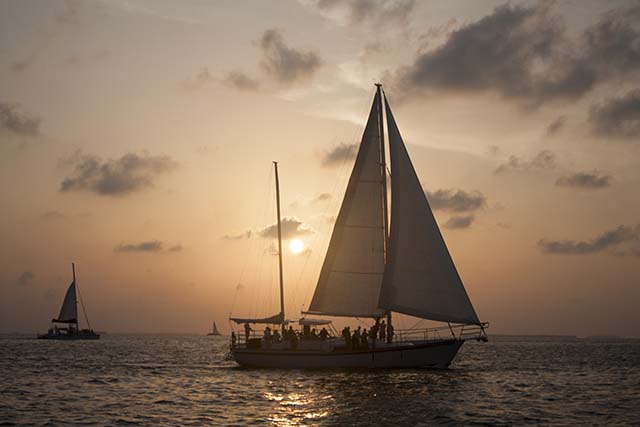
(69, 318)
(214, 330)
(373, 267)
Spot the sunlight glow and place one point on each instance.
(296, 246)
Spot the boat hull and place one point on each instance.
(65, 337)
(435, 355)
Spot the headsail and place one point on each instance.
(69, 310)
(420, 278)
(350, 279)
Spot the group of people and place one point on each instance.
(359, 338)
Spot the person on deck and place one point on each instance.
(247, 331)
(346, 333)
(267, 334)
(355, 339)
(233, 339)
(364, 340)
(306, 332)
(383, 330)
(314, 334)
(276, 336)
(373, 332)
(324, 334)
(390, 333)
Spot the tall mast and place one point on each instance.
(275, 165)
(383, 175)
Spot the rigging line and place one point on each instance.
(340, 177)
(250, 245)
(81, 302)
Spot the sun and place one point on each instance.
(296, 246)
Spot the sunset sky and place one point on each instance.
(137, 140)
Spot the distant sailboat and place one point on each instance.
(69, 317)
(372, 269)
(214, 330)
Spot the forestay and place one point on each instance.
(420, 278)
(351, 276)
(69, 310)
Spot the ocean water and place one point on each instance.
(188, 380)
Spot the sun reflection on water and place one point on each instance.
(295, 409)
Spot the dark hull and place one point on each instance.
(437, 355)
(69, 337)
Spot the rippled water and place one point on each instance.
(187, 380)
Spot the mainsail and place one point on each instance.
(350, 279)
(69, 310)
(420, 278)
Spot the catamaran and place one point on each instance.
(214, 330)
(69, 317)
(373, 267)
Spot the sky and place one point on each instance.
(137, 140)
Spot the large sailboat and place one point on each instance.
(68, 317)
(374, 266)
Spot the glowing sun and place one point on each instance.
(296, 246)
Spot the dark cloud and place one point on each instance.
(339, 154)
(148, 246)
(17, 122)
(545, 159)
(244, 235)
(115, 177)
(322, 197)
(522, 52)
(176, 248)
(26, 278)
(201, 80)
(618, 117)
(286, 64)
(456, 200)
(587, 180)
(376, 12)
(457, 222)
(556, 126)
(291, 227)
(241, 81)
(606, 240)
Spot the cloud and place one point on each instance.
(618, 117)
(523, 53)
(26, 278)
(587, 180)
(243, 235)
(606, 240)
(456, 201)
(115, 177)
(457, 222)
(17, 122)
(545, 159)
(148, 246)
(241, 81)
(286, 64)
(371, 12)
(200, 80)
(176, 248)
(291, 227)
(556, 126)
(339, 154)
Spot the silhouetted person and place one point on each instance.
(324, 334)
(347, 337)
(364, 340)
(247, 331)
(276, 336)
(306, 331)
(233, 339)
(314, 334)
(355, 339)
(390, 333)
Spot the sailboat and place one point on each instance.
(69, 318)
(374, 267)
(214, 330)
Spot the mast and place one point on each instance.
(73, 268)
(383, 175)
(275, 165)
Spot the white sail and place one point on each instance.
(69, 310)
(351, 276)
(420, 278)
(215, 329)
